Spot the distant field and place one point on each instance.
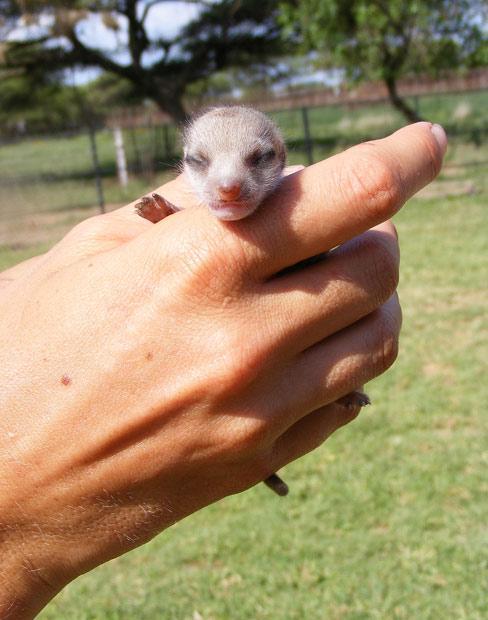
(388, 519)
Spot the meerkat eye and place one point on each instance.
(258, 158)
(196, 161)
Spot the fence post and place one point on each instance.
(307, 136)
(137, 154)
(120, 157)
(96, 167)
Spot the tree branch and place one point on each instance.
(147, 8)
(398, 26)
(138, 40)
(89, 56)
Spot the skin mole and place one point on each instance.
(233, 158)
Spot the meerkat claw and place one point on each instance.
(355, 399)
(276, 484)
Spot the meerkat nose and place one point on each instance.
(229, 191)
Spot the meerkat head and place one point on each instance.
(233, 158)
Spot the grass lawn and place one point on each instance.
(388, 519)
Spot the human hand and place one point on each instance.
(149, 370)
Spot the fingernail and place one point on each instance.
(440, 136)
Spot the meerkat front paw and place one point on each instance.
(154, 208)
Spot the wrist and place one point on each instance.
(23, 590)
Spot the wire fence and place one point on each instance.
(67, 176)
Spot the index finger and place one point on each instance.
(177, 189)
(325, 204)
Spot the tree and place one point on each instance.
(35, 102)
(27, 104)
(386, 40)
(221, 34)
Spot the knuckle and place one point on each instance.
(384, 272)
(248, 437)
(241, 361)
(373, 183)
(388, 329)
(93, 229)
(255, 433)
(211, 261)
(90, 227)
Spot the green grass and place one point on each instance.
(49, 174)
(388, 519)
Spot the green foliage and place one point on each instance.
(220, 84)
(375, 39)
(109, 91)
(369, 38)
(36, 105)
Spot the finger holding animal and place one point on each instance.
(323, 205)
(336, 199)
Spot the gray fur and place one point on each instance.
(222, 149)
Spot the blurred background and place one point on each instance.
(388, 519)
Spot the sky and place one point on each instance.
(168, 18)
(163, 20)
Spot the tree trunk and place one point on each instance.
(173, 107)
(400, 104)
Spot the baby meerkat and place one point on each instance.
(233, 159)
